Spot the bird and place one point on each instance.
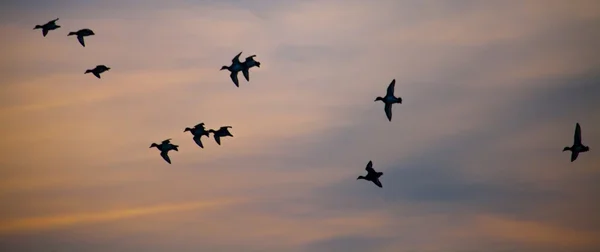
(389, 99)
(234, 68)
(249, 63)
(164, 147)
(577, 147)
(82, 33)
(221, 132)
(372, 175)
(98, 70)
(198, 131)
(51, 25)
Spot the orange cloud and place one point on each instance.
(52, 222)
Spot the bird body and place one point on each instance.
(98, 70)
(372, 175)
(81, 34)
(577, 146)
(198, 131)
(389, 99)
(51, 25)
(221, 132)
(164, 147)
(237, 66)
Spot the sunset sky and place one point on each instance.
(472, 158)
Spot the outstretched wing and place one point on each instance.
(369, 167)
(199, 125)
(250, 57)
(165, 156)
(80, 38)
(96, 74)
(217, 138)
(234, 78)
(377, 182)
(574, 155)
(388, 111)
(577, 137)
(246, 73)
(44, 32)
(167, 141)
(198, 141)
(390, 89)
(236, 59)
(54, 20)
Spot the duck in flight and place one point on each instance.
(577, 147)
(221, 132)
(51, 25)
(198, 131)
(164, 147)
(82, 33)
(372, 175)
(249, 63)
(234, 68)
(389, 99)
(98, 70)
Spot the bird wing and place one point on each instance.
(165, 156)
(246, 73)
(574, 155)
(217, 138)
(80, 38)
(166, 141)
(388, 111)
(369, 167)
(198, 141)
(44, 32)
(250, 57)
(390, 89)
(53, 20)
(577, 137)
(96, 74)
(377, 182)
(199, 125)
(236, 59)
(234, 78)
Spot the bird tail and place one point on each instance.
(72, 33)
(175, 147)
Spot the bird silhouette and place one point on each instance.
(372, 175)
(164, 147)
(51, 25)
(577, 146)
(389, 99)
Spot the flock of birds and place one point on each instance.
(236, 66)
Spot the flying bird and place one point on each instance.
(234, 68)
(198, 131)
(249, 63)
(82, 33)
(98, 70)
(221, 132)
(51, 25)
(389, 99)
(372, 175)
(577, 147)
(164, 147)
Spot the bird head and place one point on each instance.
(567, 148)
(224, 67)
(360, 177)
(72, 33)
(378, 98)
(38, 27)
(154, 145)
(187, 129)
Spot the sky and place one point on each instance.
(472, 159)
